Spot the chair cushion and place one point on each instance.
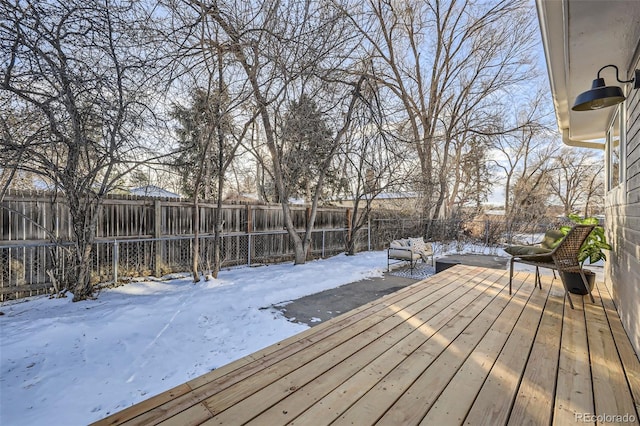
(424, 249)
(551, 239)
(519, 251)
(526, 250)
(417, 244)
(399, 243)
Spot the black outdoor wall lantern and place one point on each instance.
(601, 96)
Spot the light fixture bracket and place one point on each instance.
(635, 80)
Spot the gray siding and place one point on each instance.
(623, 227)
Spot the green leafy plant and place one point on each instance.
(595, 243)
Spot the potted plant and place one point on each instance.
(591, 249)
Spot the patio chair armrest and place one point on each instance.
(402, 253)
(408, 249)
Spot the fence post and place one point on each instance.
(323, 243)
(248, 249)
(369, 233)
(157, 233)
(249, 230)
(116, 260)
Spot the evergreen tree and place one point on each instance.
(307, 144)
(197, 138)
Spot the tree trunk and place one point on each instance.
(507, 188)
(217, 232)
(300, 253)
(457, 166)
(83, 288)
(84, 220)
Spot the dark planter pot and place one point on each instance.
(574, 283)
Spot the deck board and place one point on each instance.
(328, 408)
(573, 389)
(313, 362)
(628, 357)
(399, 382)
(455, 348)
(610, 387)
(533, 404)
(413, 404)
(453, 404)
(493, 402)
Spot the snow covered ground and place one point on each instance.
(64, 363)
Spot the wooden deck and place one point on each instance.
(452, 349)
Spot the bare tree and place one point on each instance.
(594, 191)
(527, 162)
(285, 50)
(20, 130)
(83, 70)
(522, 153)
(472, 178)
(522, 145)
(576, 178)
(204, 59)
(530, 196)
(447, 62)
(375, 159)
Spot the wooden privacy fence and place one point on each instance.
(139, 236)
(37, 216)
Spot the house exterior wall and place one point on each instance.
(622, 212)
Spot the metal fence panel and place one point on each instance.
(27, 269)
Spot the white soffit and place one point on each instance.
(580, 37)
